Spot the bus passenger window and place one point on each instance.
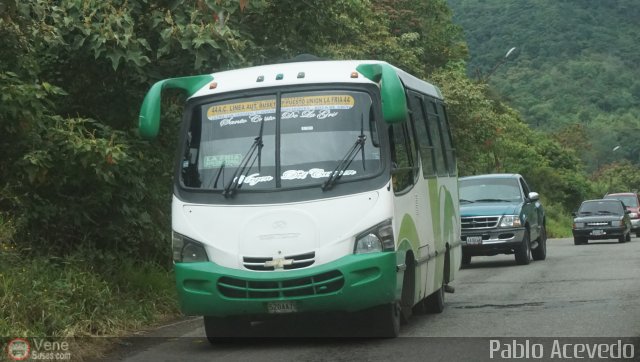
(447, 142)
(423, 137)
(402, 156)
(434, 125)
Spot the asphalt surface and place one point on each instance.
(587, 294)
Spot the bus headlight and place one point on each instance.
(186, 250)
(510, 221)
(375, 239)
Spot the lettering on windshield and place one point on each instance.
(254, 179)
(313, 173)
(318, 107)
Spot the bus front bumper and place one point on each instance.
(349, 284)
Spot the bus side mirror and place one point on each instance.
(149, 118)
(394, 101)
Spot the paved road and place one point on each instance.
(579, 291)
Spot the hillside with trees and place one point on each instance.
(574, 73)
(85, 203)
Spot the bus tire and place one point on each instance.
(218, 329)
(386, 319)
(434, 302)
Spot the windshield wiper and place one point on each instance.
(492, 200)
(240, 173)
(220, 170)
(605, 212)
(467, 201)
(358, 146)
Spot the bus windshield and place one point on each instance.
(278, 141)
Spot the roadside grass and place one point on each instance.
(558, 221)
(84, 294)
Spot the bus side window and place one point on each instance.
(435, 131)
(423, 138)
(403, 157)
(190, 172)
(450, 151)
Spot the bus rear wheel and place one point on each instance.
(434, 303)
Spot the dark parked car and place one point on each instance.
(601, 219)
(632, 203)
(501, 215)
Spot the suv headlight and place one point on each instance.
(633, 215)
(375, 239)
(510, 221)
(186, 250)
(616, 223)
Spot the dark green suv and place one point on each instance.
(501, 215)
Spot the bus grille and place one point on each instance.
(479, 222)
(324, 283)
(297, 262)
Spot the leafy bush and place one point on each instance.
(85, 293)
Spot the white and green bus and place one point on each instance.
(311, 187)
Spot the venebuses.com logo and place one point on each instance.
(18, 349)
(21, 349)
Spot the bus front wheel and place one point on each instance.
(220, 329)
(386, 319)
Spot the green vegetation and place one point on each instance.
(575, 67)
(85, 202)
(87, 293)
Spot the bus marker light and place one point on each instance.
(354, 74)
(213, 85)
(279, 76)
(260, 78)
(301, 75)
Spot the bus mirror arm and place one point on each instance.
(149, 118)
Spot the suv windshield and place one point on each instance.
(279, 141)
(489, 190)
(601, 207)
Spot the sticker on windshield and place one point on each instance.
(227, 112)
(319, 107)
(317, 102)
(254, 179)
(216, 161)
(313, 173)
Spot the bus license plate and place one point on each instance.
(597, 232)
(281, 307)
(474, 240)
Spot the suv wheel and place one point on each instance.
(540, 253)
(523, 252)
(466, 259)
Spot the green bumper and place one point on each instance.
(349, 284)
